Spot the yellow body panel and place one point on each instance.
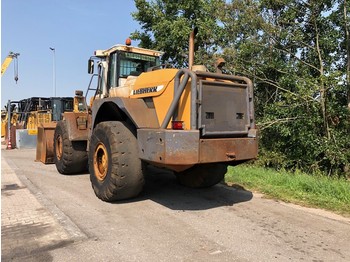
(4, 122)
(6, 64)
(8, 61)
(159, 84)
(3, 129)
(32, 131)
(36, 118)
(157, 78)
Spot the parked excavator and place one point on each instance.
(188, 120)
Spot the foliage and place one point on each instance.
(297, 187)
(291, 49)
(166, 26)
(295, 51)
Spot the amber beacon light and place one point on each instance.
(128, 41)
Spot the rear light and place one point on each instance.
(177, 125)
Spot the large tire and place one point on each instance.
(202, 175)
(69, 157)
(115, 168)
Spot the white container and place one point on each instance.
(24, 139)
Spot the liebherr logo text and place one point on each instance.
(144, 90)
(147, 90)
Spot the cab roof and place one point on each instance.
(127, 48)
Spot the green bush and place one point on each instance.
(297, 187)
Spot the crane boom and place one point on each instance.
(8, 61)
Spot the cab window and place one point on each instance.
(124, 64)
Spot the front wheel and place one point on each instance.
(115, 168)
(202, 175)
(69, 157)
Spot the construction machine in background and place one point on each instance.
(60, 108)
(9, 58)
(5, 115)
(4, 120)
(35, 111)
(30, 113)
(190, 121)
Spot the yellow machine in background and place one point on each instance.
(35, 111)
(10, 57)
(4, 115)
(4, 119)
(37, 118)
(30, 113)
(46, 123)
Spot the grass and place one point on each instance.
(298, 188)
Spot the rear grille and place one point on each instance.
(223, 108)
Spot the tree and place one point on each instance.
(346, 25)
(293, 51)
(166, 26)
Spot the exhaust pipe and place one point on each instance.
(191, 48)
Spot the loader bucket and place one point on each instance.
(45, 142)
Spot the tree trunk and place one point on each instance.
(347, 43)
(322, 84)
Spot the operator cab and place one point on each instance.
(124, 64)
(120, 65)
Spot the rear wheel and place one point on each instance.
(69, 156)
(115, 168)
(202, 175)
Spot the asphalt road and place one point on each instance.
(171, 223)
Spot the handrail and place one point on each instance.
(179, 87)
(87, 91)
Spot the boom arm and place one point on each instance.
(7, 62)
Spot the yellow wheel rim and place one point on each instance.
(100, 162)
(59, 147)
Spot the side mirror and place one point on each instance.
(91, 66)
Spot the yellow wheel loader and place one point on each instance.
(70, 138)
(190, 121)
(31, 113)
(70, 110)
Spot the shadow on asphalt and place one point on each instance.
(84, 173)
(28, 242)
(162, 187)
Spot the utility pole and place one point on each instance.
(53, 70)
(9, 143)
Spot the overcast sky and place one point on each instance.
(75, 28)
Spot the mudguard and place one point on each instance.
(116, 108)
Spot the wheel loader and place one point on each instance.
(30, 114)
(74, 111)
(189, 120)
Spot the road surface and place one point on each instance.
(167, 222)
